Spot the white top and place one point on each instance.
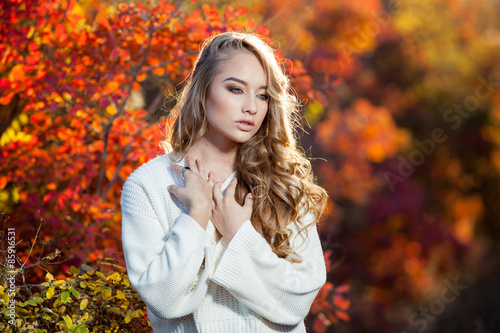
(191, 283)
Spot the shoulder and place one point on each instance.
(153, 171)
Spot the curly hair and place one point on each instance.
(270, 165)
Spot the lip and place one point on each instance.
(245, 125)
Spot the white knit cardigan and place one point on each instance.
(191, 283)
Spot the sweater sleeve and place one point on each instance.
(278, 290)
(164, 266)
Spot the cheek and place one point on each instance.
(218, 103)
(263, 115)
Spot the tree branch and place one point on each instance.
(129, 90)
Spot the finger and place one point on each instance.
(192, 163)
(173, 189)
(231, 188)
(248, 204)
(201, 168)
(211, 179)
(217, 193)
(248, 201)
(176, 168)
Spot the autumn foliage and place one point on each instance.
(402, 108)
(75, 120)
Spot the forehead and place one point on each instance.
(244, 66)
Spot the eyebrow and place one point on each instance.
(242, 82)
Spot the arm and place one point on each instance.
(163, 268)
(278, 290)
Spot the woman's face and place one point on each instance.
(237, 101)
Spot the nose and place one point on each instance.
(250, 105)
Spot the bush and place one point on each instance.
(91, 299)
(88, 301)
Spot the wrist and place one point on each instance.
(200, 216)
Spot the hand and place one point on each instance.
(227, 214)
(197, 193)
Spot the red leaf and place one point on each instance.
(4, 83)
(342, 289)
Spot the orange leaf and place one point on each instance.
(342, 315)
(342, 289)
(110, 171)
(4, 100)
(141, 77)
(341, 302)
(17, 73)
(319, 325)
(3, 182)
(60, 33)
(159, 71)
(140, 113)
(76, 206)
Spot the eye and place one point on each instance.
(235, 90)
(263, 97)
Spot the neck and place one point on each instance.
(218, 159)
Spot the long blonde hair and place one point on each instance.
(269, 165)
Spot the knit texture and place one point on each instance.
(192, 283)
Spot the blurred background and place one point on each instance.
(401, 119)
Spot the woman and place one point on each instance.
(219, 234)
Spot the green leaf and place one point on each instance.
(82, 329)
(68, 321)
(50, 292)
(65, 297)
(99, 274)
(83, 303)
(38, 300)
(30, 302)
(83, 284)
(75, 293)
(86, 268)
(50, 311)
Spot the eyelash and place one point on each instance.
(239, 91)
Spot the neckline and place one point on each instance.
(183, 162)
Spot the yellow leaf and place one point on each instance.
(30, 33)
(83, 303)
(115, 277)
(111, 110)
(120, 294)
(50, 292)
(49, 277)
(112, 86)
(106, 292)
(129, 316)
(23, 118)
